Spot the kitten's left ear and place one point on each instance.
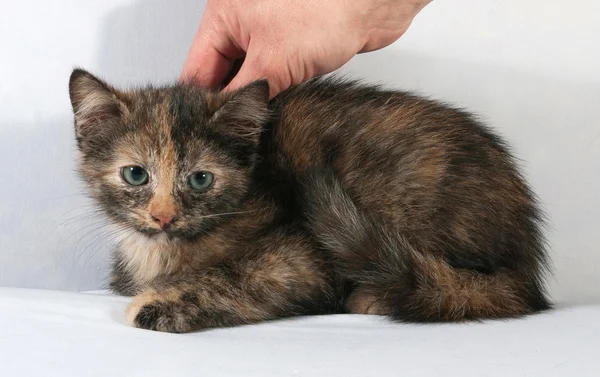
(96, 105)
(245, 111)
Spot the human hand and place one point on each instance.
(290, 41)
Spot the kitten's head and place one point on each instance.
(167, 161)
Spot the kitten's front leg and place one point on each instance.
(278, 283)
(121, 281)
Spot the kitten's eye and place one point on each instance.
(134, 175)
(201, 180)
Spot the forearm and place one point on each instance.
(233, 293)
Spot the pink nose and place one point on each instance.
(164, 220)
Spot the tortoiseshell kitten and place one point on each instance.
(333, 197)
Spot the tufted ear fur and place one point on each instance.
(96, 105)
(244, 111)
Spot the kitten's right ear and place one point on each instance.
(95, 104)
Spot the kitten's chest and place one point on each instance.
(144, 259)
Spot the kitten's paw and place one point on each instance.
(164, 311)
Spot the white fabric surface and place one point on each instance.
(49, 333)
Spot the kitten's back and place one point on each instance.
(419, 203)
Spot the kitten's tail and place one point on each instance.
(392, 278)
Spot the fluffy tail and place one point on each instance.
(392, 278)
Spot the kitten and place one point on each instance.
(333, 197)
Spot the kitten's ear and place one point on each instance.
(245, 111)
(96, 105)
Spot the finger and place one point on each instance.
(205, 66)
(235, 68)
(254, 69)
(211, 55)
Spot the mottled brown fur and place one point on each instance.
(333, 197)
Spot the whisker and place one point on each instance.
(68, 196)
(82, 217)
(100, 242)
(94, 230)
(225, 213)
(73, 219)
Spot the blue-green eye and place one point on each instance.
(134, 175)
(201, 180)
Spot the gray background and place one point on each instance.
(531, 69)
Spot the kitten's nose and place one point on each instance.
(163, 219)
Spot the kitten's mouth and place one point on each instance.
(152, 232)
(169, 234)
